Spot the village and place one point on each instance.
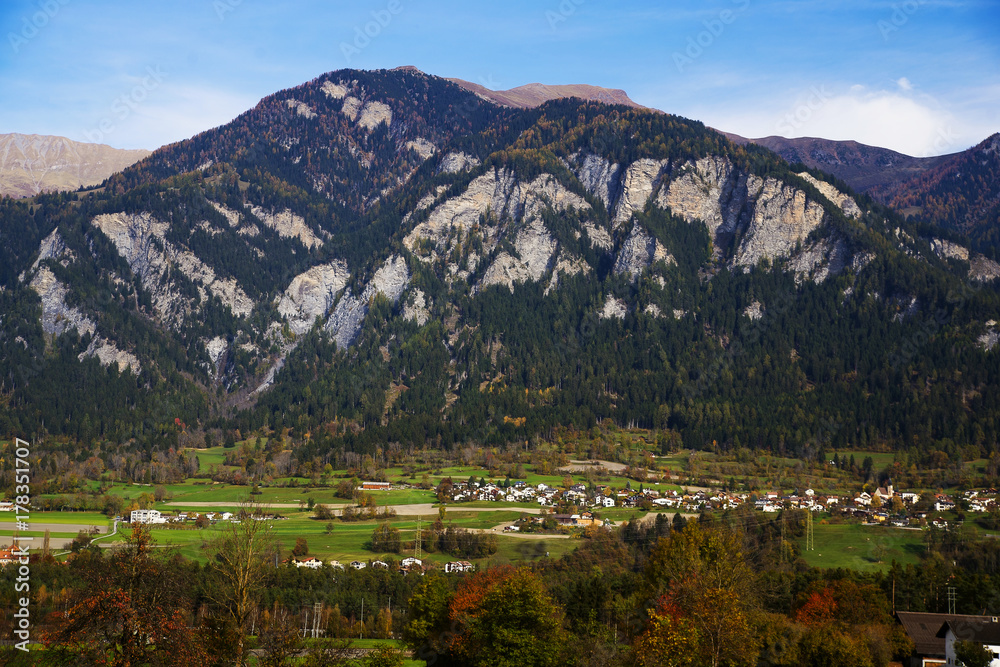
(883, 505)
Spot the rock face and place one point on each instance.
(231, 216)
(773, 217)
(415, 308)
(819, 260)
(301, 108)
(535, 248)
(57, 317)
(454, 163)
(754, 311)
(782, 218)
(613, 308)
(506, 207)
(422, 147)
(566, 265)
(216, 349)
(373, 114)
(288, 225)
(709, 190)
(347, 318)
(312, 294)
(641, 178)
(53, 247)
(108, 353)
(351, 107)
(948, 250)
(334, 90)
(640, 251)
(598, 175)
(989, 339)
(983, 269)
(845, 202)
(33, 163)
(141, 240)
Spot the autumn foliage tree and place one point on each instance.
(498, 617)
(704, 587)
(129, 612)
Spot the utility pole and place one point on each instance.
(781, 545)
(810, 537)
(952, 596)
(362, 618)
(417, 550)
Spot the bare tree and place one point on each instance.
(242, 558)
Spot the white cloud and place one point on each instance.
(904, 84)
(903, 121)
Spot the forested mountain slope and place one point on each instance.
(379, 257)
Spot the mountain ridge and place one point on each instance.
(33, 163)
(384, 256)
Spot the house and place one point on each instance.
(884, 492)
(312, 563)
(146, 516)
(336, 563)
(411, 561)
(358, 565)
(380, 564)
(459, 566)
(943, 503)
(11, 554)
(374, 486)
(922, 629)
(985, 631)
(6, 506)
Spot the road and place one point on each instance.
(416, 509)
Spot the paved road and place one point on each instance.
(416, 509)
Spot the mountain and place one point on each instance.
(382, 259)
(534, 94)
(960, 193)
(865, 168)
(33, 163)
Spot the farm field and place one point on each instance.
(858, 547)
(348, 541)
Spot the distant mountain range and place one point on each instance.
(33, 163)
(535, 94)
(865, 168)
(960, 193)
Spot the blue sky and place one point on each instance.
(918, 76)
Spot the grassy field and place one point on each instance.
(347, 541)
(857, 547)
(81, 518)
